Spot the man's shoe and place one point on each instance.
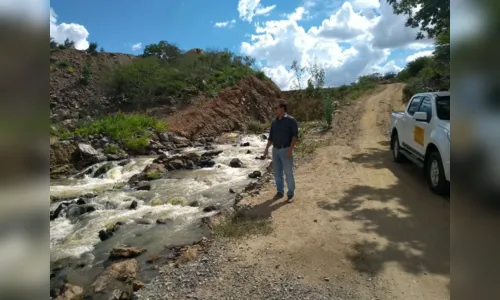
(290, 199)
(278, 196)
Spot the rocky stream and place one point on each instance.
(114, 221)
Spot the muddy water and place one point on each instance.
(78, 240)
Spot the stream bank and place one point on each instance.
(110, 206)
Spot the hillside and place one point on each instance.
(190, 94)
(70, 97)
(162, 81)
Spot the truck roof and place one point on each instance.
(435, 94)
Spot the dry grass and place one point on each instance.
(241, 225)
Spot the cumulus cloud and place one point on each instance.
(414, 56)
(248, 9)
(225, 24)
(348, 43)
(74, 32)
(137, 47)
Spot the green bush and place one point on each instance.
(112, 149)
(92, 49)
(261, 75)
(133, 131)
(257, 127)
(328, 111)
(86, 74)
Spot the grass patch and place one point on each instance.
(112, 149)
(241, 225)
(133, 130)
(257, 127)
(308, 141)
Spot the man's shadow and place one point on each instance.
(264, 210)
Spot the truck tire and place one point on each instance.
(435, 174)
(395, 149)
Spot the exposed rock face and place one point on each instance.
(69, 99)
(251, 99)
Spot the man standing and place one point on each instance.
(283, 136)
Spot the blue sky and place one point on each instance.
(348, 38)
(116, 25)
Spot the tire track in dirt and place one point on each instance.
(360, 223)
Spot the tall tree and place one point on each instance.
(432, 17)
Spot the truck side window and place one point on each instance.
(426, 107)
(415, 103)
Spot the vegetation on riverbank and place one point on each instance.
(132, 131)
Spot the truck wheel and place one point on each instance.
(395, 149)
(435, 174)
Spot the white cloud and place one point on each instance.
(225, 24)
(418, 55)
(349, 43)
(345, 24)
(136, 47)
(248, 9)
(74, 32)
(390, 31)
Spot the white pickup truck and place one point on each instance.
(421, 134)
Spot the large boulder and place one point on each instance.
(235, 163)
(62, 158)
(87, 155)
(71, 292)
(75, 211)
(151, 172)
(121, 271)
(126, 252)
(186, 161)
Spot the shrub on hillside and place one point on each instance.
(69, 44)
(164, 72)
(261, 75)
(92, 49)
(86, 75)
(328, 111)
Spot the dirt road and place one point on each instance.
(359, 221)
(362, 227)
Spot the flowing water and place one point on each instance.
(78, 240)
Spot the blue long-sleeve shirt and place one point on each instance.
(282, 131)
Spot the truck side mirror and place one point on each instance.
(420, 116)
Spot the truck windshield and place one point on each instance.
(443, 107)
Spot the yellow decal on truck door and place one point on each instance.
(418, 135)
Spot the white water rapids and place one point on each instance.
(206, 186)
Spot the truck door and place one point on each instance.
(422, 129)
(406, 137)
